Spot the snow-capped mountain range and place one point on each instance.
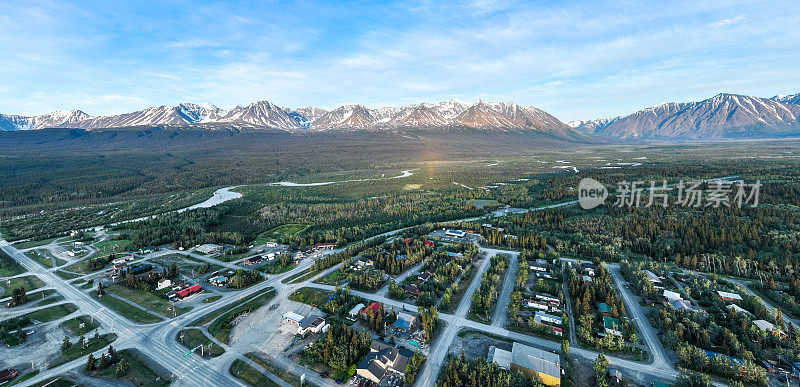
(721, 116)
(263, 114)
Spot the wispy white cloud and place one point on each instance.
(574, 59)
(727, 22)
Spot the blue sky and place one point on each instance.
(576, 60)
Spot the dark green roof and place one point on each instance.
(611, 323)
(603, 308)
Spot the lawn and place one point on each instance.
(52, 313)
(311, 296)
(211, 299)
(63, 274)
(192, 338)
(275, 370)
(139, 373)
(73, 325)
(277, 268)
(128, 311)
(333, 278)
(278, 233)
(187, 265)
(29, 282)
(213, 315)
(302, 276)
(76, 350)
(55, 382)
(244, 372)
(9, 266)
(31, 244)
(44, 258)
(37, 296)
(147, 300)
(50, 300)
(221, 327)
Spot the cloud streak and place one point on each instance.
(575, 60)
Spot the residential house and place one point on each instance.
(356, 309)
(739, 309)
(670, 295)
(538, 305)
(604, 309)
(727, 296)
(404, 321)
(219, 280)
(544, 318)
(768, 327)
(683, 305)
(612, 326)
(163, 283)
(383, 362)
(375, 307)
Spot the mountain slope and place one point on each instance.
(481, 115)
(50, 120)
(719, 117)
(793, 99)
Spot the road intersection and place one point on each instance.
(159, 342)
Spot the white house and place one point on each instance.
(312, 324)
(670, 295)
(544, 318)
(356, 309)
(163, 283)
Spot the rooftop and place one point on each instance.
(500, 356)
(536, 359)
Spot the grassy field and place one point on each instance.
(55, 382)
(186, 265)
(44, 258)
(211, 299)
(147, 300)
(221, 327)
(36, 296)
(302, 276)
(63, 274)
(128, 311)
(28, 282)
(9, 266)
(277, 233)
(218, 312)
(20, 379)
(77, 350)
(311, 296)
(333, 278)
(50, 300)
(139, 373)
(275, 370)
(73, 325)
(31, 244)
(193, 337)
(241, 370)
(52, 313)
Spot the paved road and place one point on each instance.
(158, 340)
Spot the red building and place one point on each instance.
(189, 291)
